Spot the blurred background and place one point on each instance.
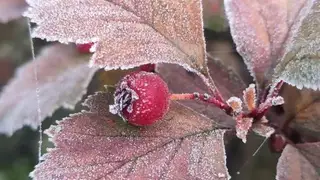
(19, 153)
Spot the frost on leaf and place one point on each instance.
(250, 97)
(312, 152)
(63, 77)
(180, 80)
(300, 65)
(129, 33)
(260, 30)
(235, 103)
(262, 129)
(292, 165)
(11, 9)
(96, 145)
(243, 125)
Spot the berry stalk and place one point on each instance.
(203, 97)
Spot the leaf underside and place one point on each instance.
(261, 31)
(128, 33)
(301, 63)
(63, 76)
(292, 165)
(11, 9)
(96, 145)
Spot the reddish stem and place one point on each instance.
(277, 89)
(205, 98)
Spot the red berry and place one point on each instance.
(84, 48)
(141, 98)
(277, 143)
(148, 67)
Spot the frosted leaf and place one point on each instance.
(235, 103)
(63, 77)
(243, 125)
(11, 9)
(262, 130)
(260, 30)
(292, 165)
(250, 97)
(96, 145)
(300, 64)
(128, 33)
(181, 81)
(312, 152)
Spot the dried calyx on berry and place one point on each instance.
(141, 98)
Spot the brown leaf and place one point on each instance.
(129, 33)
(260, 30)
(292, 165)
(11, 9)
(308, 119)
(90, 145)
(181, 81)
(300, 64)
(301, 109)
(63, 76)
(312, 152)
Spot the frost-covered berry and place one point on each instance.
(141, 98)
(84, 48)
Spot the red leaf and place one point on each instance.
(181, 81)
(63, 77)
(292, 165)
(260, 30)
(129, 33)
(11, 9)
(90, 145)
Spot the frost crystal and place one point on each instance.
(276, 101)
(235, 103)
